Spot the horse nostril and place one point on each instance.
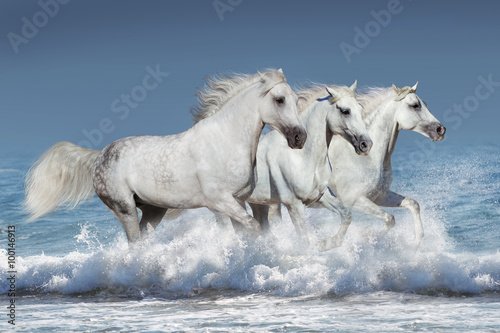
(365, 145)
(441, 130)
(299, 137)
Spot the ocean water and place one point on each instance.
(75, 272)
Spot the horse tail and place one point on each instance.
(63, 174)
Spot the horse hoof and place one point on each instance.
(322, 246)
(328, 244)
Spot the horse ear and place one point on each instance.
(354, 85)
(280, 70)
(262, 77)
(332, 92)
(414, 88)
(396, 89)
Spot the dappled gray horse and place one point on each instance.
(210, 165)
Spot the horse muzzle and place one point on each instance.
(296, 137)
(363, 145)
(436, 131)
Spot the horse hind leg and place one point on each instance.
(261, 214)
(126, 212)
(151, 218)
(121, 203)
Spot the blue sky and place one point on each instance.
(69, 77)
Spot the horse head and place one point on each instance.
(412, 114)
(279, 108)
(344, 118)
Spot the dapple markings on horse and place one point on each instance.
(210, 165)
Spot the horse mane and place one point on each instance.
(219, 89)
(309, 93)
(371, 97)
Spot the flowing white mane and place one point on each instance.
(371, 98)
(221, 88)
(312, 92)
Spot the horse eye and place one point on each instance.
(416, 106)
(344, 112)
(280, 100)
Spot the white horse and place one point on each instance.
(210, 165)
(298, 178)
(362, 183)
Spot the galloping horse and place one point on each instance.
(298, 178)
(362, 183)
(212, 164)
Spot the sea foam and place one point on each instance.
(193, 254)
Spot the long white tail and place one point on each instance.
(63, 174)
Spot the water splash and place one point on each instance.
(194, 255)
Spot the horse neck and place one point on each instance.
(384, 130)
(314, 118)
(240, 121)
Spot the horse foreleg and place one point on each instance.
(392, 199)
(297, 215)
(368, 207)
(335, 205)
(151, 218)
(238, 214)
(223, 221)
